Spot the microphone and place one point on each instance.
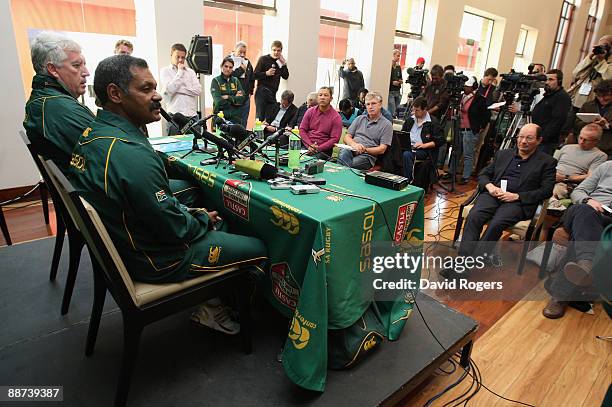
(168, 116)
(183, 122)
(235, 131)
(256, 169)
(273, 138)
(251, 138)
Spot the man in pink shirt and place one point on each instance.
(321, 126)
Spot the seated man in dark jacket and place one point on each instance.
(512, 186)
(281, 114)
(425, 136)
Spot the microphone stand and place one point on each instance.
(194, 146)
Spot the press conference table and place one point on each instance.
(317, 245)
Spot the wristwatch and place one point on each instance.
(567, 177)
(585, 200)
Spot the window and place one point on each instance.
(565, 21)
(410, 50)
(587, 42)
(522, 41)
(95, 24)
(474, 42)
(332, 51)
(342, 11)
(410, 15)
(227, 27)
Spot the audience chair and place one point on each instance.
(64, 224)
(526, 229)
(141, 303)
(4, 227)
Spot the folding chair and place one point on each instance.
(64, 223)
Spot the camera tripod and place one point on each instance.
(456, 146)
(521, 118)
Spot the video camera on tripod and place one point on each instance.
(417, 78)
(454, 86)
(527, 86)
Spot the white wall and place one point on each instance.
(16, 165)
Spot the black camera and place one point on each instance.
(527, 86)
(454, 85)
(600, 49)
(417, 78)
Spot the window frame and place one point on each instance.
(412, 35)
(589, 31)
(334, 21)
(243, 6)
(522, 53)
(564, 25)
(486, 61)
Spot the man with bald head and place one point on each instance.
(511, 188)
(594, 68)
(353, 80)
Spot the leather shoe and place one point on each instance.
(579, 272)
(554, 309)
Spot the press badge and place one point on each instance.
(585, 88)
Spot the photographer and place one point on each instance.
(395, 84)
(487, 86)
(353, 80)
(551, 112)
(436, 93)
(594, 68)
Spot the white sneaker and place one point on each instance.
(217, 317)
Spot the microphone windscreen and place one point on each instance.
(238, 132)
(180, 119)
(256, 169)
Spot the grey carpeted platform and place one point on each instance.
(179, 363)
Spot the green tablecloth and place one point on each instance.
(319, 245)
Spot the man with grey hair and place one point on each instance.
(243, 70)
(368, 137)
(311, 100)
(54, 119)
(576, 162)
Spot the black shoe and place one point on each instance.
(493, 260)
(451, 274)
(446, 176)
(463, 181)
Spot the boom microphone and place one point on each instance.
(273, 138)
(256, 169)
(235, 131)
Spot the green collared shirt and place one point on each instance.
(54, 119)
(117, 171)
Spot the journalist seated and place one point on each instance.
(425, 136)
(117, 171)
(368, 137)
(281, 114)
(585, 221)
(576, 163)
(512, 187)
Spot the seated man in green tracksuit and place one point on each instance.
(117, 171)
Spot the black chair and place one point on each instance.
(526, 229)
(4, 227)
(64, 224)
(141, 303)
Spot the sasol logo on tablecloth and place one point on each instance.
(284, 287)
(236, 197)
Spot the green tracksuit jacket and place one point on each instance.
(117, 171)
(231, 107)
(54, 120)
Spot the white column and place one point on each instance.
(296, 25)
(16, 165)
(372, 46)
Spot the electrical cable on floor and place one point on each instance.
(476, 376)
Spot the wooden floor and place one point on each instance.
(521, 355)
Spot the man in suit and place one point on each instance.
(281, 114)
(529, 176)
